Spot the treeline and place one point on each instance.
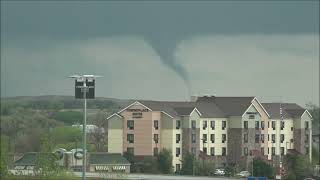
(25, 119)
(55, 104)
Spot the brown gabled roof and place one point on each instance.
(225, 106)
(290, 110)
(209, 109)
(184, 111)
(173, 108)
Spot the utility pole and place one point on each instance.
(84, 88)
(279, 140)
(84, 131)
(202, 153)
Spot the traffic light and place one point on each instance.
(79, 89)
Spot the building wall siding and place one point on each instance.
(115, 135)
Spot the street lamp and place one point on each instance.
(84, 89)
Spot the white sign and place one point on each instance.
(102, 168)
(118, 168)
(106, 168)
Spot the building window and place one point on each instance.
(156, 124)
(291, 128)
(193, 137)
(212, 138)
(155, 151)
(177, 152)
(204, 125)
(245, 138)
(262, 125)
(130, 124)
(130, 138)
(268, 124)
(291, 140)
(256, 139)
(273, 124)
(257, 125)
(306, 125)
(262, 151)
(245, 125)
(212, 125)
(251, 116)
(205, 150)
(204, 138)
(193, 124)
(193, 150)
(224, 125)
(268, 137)
(273, 138)
(212, 151)
(224, 151)
(281, 138)
(130, 150)
(282, 125)
(156, 138)
(262, 138)
(273, 151)
(282, 150)
(224, 138)
(177, 138)
(268, 150)
(245, 151)
(178, 167)
(178, 124)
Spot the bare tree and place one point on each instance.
(98, 136)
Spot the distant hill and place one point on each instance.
(62, 102)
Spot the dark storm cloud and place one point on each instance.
(42, 26)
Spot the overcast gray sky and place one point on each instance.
(163, 50)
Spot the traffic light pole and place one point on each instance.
(84, 131)
(85, 89)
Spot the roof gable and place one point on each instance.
(136, 103)
(225, 106)
(290, 110)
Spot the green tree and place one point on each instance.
(66, 134)
(149, 165)
(165, 161)
(298, 166)
(46, 165)
(3, 156)
(261, 168)
(204, 168)
(130, 157)
(188, 163)
(68, 117)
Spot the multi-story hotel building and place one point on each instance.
(224, 129)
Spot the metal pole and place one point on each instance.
(252, 166)
(202, 154)
(84, 130)
(193, 164)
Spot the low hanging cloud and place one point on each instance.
(271, 67)
(129, 66)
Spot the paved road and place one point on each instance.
(151, 176)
